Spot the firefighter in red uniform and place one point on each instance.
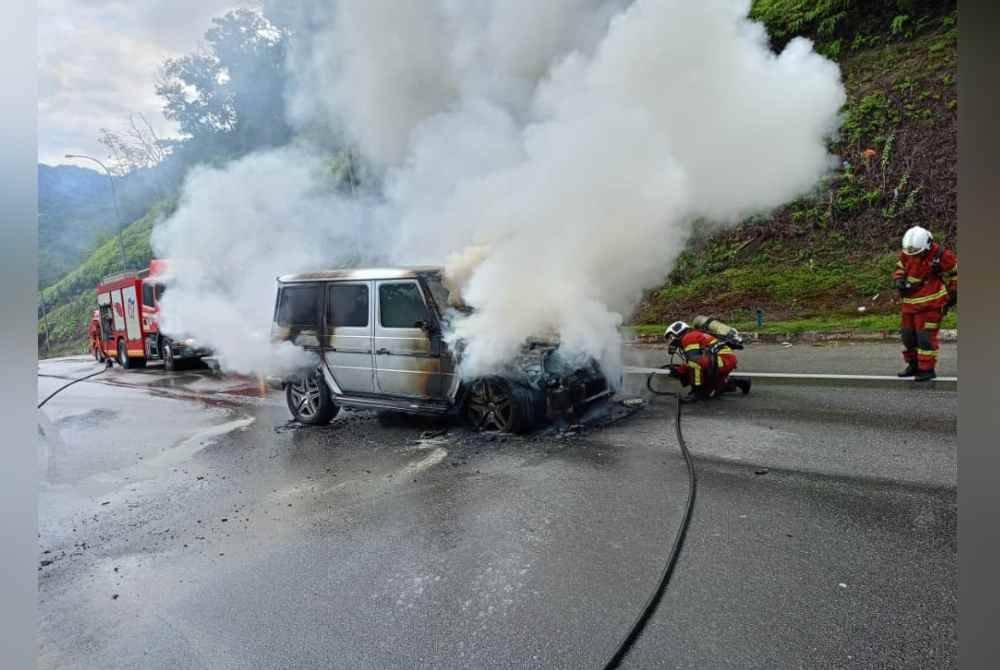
(926, 276)
(94, 332)
(708, 362)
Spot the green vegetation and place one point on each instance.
(71, 300)
(812, 263)
(830, 323)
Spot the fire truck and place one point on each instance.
(128, 306)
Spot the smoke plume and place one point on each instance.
(553, 155)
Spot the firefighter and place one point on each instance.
(94, 331)
(926, 276)
(708, 362)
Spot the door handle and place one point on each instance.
(382, 351)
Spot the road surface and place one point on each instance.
(185, 523)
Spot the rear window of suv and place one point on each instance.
(299, 306)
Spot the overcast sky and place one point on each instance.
(98, 61)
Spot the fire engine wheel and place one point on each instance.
(125, 361)
(169, 362)
(309, 400)
(495, 404)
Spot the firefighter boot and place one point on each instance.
(691, 397)
(744, 385)
(925, 375)
(911, 370)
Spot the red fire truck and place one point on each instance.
(128, 305)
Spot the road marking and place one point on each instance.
(430, 460)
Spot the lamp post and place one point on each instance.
(114, 198)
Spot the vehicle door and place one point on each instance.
(348, 332)
(298, 313)
(407, 342)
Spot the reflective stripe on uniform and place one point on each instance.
(927, 352)
(930, 325)
(914, 280)
(941, 293)
(691, 347)
(697, 374)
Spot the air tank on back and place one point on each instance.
(717, 328)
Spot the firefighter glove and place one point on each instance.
(902, 284)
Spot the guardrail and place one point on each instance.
(805, 378)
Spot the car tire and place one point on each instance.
(309, 401)
(497, 404)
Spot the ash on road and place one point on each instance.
(185, 523)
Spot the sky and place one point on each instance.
(98, 60)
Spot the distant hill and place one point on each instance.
(74, 210)
(76, 213)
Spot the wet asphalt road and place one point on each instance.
(183, 523)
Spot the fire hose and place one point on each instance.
(635, 631)
(106, 367)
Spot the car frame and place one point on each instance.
(379, 336)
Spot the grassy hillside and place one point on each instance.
(71, 300)
(76, 213)
(822, 257)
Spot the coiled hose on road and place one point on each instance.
(654, 599)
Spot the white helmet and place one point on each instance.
(675, 330)
(916, 240)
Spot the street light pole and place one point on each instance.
(114, 198)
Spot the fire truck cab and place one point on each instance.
(128, 305)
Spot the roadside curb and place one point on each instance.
(811, 337)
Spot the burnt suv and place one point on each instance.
(378, 336)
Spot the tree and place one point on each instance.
(135, 148)
(228, 95)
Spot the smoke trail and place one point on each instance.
(554, 154)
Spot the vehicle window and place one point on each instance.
(299, 306)
(401, 305)
(160, 290)
(107, 320)
(147, 295)
(347, 306)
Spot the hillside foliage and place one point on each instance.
(832, 251)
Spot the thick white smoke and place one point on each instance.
(235, 231)
(563, 147)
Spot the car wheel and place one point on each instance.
(309, 400)
(495, 404)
